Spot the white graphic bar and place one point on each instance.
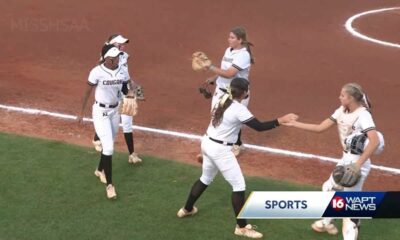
(286, 205)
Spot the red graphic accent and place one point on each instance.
(338, 203)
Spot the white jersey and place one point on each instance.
(123, 61)
(359, 121)
(234, 116)
(108, 83)
(239, 59)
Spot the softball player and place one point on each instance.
(109, 79)
(120, 42)
(235, 63)
(228, 115)
(352, 118)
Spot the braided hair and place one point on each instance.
(235, 91)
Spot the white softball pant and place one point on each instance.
(218, 94)
(349, 228)
(218, 157)
(106, 121)
(126, 122)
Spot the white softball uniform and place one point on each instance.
(126, 120)
(217, 144)
(359, 121)
(239, 59)
(105, 109)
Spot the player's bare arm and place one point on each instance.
(371, 147)
(88, 91)
(317, 128)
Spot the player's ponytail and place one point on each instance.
(219, 109)
(234, 92)
(240, 33)
(356, 91)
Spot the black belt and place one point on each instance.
(221, 142)
(107, 105)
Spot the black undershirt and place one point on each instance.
(262, 126)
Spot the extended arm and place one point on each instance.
(324, 125)
(262, 126)
(255, 124)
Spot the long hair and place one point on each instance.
(240, 33)
(356, 91)
(235, 91)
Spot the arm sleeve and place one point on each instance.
(93, 80)
(241, 60)
(262, 126)
(125, 89)
(366, 121)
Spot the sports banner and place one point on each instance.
(299, 205)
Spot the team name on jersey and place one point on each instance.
(113, 82)
(226, 59)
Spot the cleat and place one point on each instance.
(134, 158)
(97, 145)
(320, 226)
(101, 176)
(248, 231)
(184, 213)
(111, 194)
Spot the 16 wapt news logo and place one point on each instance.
(354, 203)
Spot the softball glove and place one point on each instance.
(129, 105)
(200, 61)
(346, 175)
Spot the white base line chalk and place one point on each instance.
(195, 137)
(349, 27)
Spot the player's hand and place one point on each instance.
(288, 119)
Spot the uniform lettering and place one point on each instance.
(113, 82)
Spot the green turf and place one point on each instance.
(48, 191)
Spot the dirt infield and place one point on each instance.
(303, 57)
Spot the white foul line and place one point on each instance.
(195, 137)
(350, 28)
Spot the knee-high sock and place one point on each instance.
(129, 142)
(96, 138)
(238, 199)
(196, 191)
(101, 164)
(239, 141)
(107, 166)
